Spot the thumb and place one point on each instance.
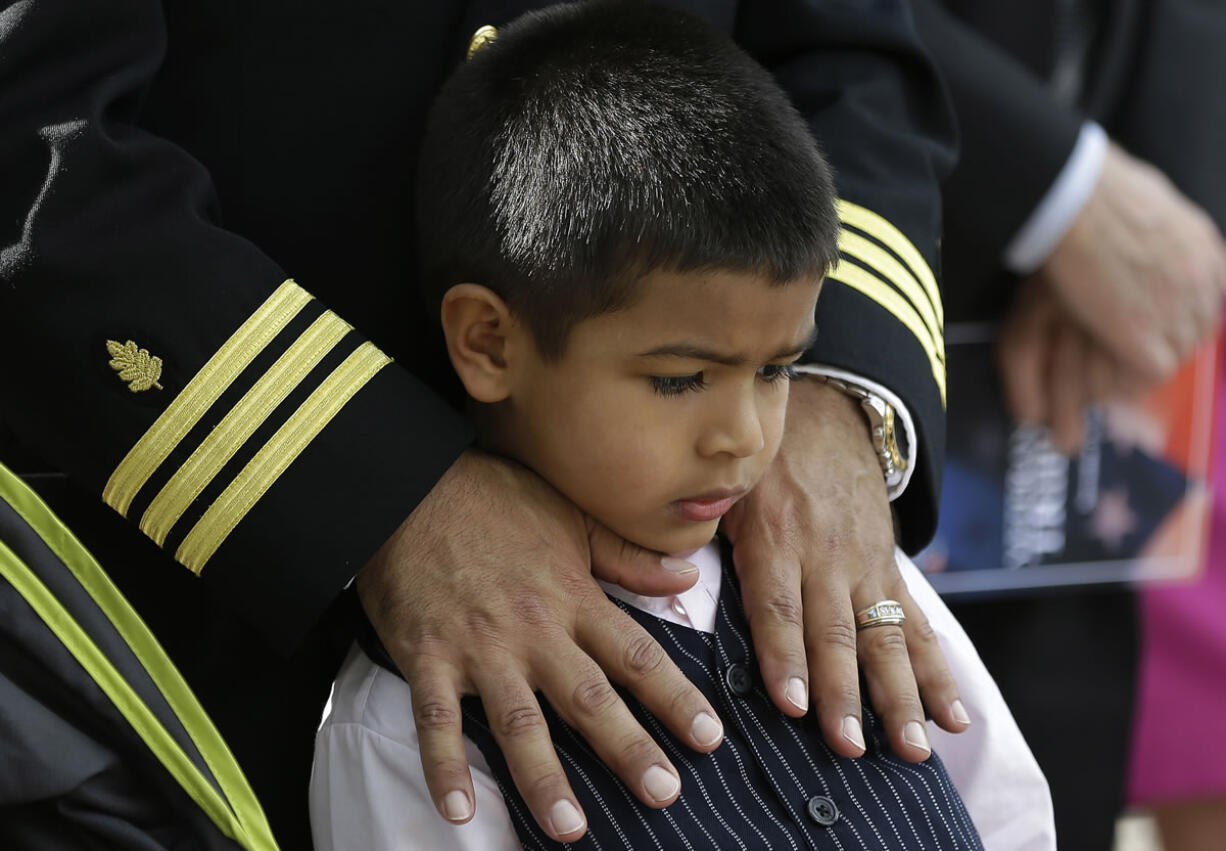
(643, 571)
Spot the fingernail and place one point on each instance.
(677, 565)
(797, 693)
(853, 733)
(914, 735)
(661, 785)
(706, 730)
(959, 712)
(565, 818)
(457, 806)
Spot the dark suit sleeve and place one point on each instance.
(857, 72)
(166, 363)
(1014, 140)
(1173, 113)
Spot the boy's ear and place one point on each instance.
(478, 324)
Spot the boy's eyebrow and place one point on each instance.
(691, 352)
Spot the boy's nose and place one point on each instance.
(737, 432)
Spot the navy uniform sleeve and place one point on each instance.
(168, 364)
(857, 71)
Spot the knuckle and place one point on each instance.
(446, 769)
(534, 611)
(547, 786)
(784, 609)
(580, 589)
(923, 633)
(520, 720)
(840, 699)
(684, 701)
(591, 607)
(849, 693)
(907, 702)
(434, 715)
(887, 639)
(644, 655)
(840, 635)
(593, 696)
(422, 652)
(786, 658)
(936, 684)
(480, 627)
(640, 750)
(429, 646)
(836, 541)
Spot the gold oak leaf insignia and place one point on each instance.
(135, 366)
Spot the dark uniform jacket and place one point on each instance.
(167, 166)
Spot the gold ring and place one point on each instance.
(881, 613)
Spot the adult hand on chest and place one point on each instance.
(487, 589)
(813, 543)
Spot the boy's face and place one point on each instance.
(660, 416)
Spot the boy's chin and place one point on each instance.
(679, 543)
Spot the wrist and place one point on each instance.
(445, 497)
(1063, 205)
(819, 411)
(877, 421)
(1085, 232)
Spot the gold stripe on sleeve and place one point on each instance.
(870, 285)
(277, 454)
(156, 444)
(885, 264)
(240, 423)
(892, 238)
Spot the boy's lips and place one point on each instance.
(708, 506)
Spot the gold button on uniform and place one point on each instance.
(481, 38)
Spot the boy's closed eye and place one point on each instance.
(773, 372)
(675, 385)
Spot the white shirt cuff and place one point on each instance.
(1054, 215)
(900, 412)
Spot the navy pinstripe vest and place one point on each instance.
(772, 784)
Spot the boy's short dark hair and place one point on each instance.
(591, 143)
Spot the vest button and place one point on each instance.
(738, 679)
(822, 810)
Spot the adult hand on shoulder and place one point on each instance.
(487, 589)
(1142, 268)
(813, 543)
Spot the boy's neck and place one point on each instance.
(493, 435)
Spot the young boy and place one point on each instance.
(624, 226)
